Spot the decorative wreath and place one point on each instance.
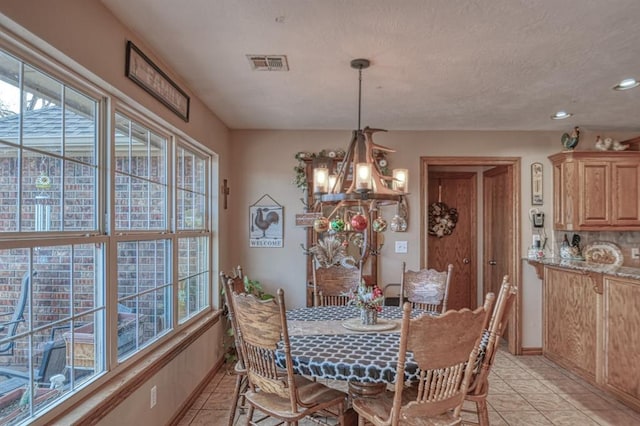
(43, 181)
(442, 219)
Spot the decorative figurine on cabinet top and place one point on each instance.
(603, 144)
(570, 141)
(607, 144)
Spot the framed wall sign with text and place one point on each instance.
(266, 223)
(147, 75)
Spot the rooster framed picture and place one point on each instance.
(266, 219)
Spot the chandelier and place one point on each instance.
(359, 180)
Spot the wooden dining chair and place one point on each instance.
(331, 285)
(444, 348)
(235, 283)
(426, 289)
(499, 319)
(277, 392)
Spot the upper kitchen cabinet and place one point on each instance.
(596, 190)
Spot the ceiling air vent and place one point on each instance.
(268, 62)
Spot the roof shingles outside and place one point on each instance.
(46, 122)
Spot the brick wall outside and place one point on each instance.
(141, 206)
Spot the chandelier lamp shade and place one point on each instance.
(359, 178)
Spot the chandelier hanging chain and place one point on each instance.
(359, 96)
(360, 64)
(359, 177)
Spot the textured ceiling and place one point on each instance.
(436, 65)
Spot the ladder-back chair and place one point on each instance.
(499, 319)
(444, 348)
(277, 392)
(231, 284)
(426, 289)
(331, 285)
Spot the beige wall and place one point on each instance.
(264, 161)
(263, 164)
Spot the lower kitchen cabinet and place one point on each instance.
(592, 328)
(621, 373)
(571, 319)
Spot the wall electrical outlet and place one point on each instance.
(402, 247)
(154, 396)
(635, 253)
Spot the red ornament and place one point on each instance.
(359, 222)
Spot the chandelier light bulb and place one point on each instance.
(400, 179)
(320, 180)
(363, 177)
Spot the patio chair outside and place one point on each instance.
(53, 363)
(8, 328)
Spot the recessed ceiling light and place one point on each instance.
(561, 115)
(626, 84)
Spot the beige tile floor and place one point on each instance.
(524, 390)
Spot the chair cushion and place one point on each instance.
(381, 407)
(309, 392)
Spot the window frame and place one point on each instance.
(108, 101)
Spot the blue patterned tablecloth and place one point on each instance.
(351, 356)
(325, 313)
(365, 357)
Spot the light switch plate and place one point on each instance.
(401, 247)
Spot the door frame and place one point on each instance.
(515, 320)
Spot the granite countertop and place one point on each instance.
(581, 265)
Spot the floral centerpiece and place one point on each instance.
(369, 299)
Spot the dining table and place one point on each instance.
(329, 342)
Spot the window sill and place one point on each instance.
(97, 404)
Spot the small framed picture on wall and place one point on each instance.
(536, 184)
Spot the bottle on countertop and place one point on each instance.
(564, 248)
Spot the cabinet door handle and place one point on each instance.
(493, 263)
(466, 261)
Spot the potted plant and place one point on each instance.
(369, 299)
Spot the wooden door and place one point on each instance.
(458, 190)
(512, 202)
(498, 232)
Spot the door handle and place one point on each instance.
(466, 261)
(493, 263)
